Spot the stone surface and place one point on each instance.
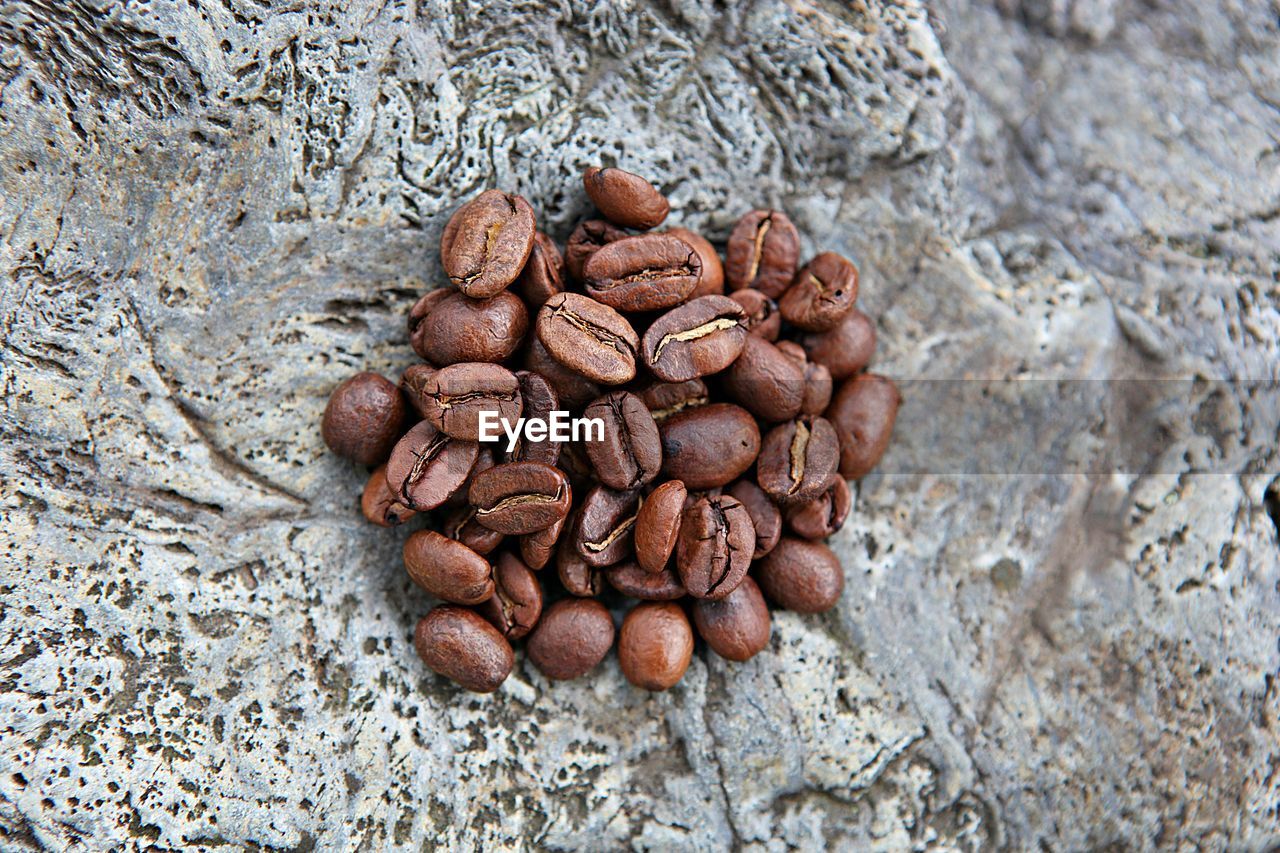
(212, 212)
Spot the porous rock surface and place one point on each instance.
(212, 212)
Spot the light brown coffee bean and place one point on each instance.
(447, 569)
(460, 645)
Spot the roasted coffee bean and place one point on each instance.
(715, 546)
(624, 198)
(863, 413)
(711, 283)
(709, 446)
(516, 603)
(454, 396)
(764, 380)
(461, 329)
(817, 379)
(631, 580)
(572, 389)
(648, 272)
(606, 525)
(427, 466)
(665, 399)
(363, 419)
(589, 338)
(655, 645)
(700, 337)
(520, 497)
(761, 313)
(487, 242)
(798, 460)
(447, 569)
(380, 505)
(585, 240)
(822, 293)
(658, 525)
(572, 637)
(629, 454)
(737, 627)
(765, 517)
(462, 526)
(460, 645)
(802, 576)
(846, 349)
(575, 575)
(425, 304)
(536, 549)
(762, 253)
(543, 274)
(539, 400)
(824, 515)
(413, 384)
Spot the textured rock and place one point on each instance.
(211, 213)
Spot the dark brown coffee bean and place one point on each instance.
(540, 400)
(701, 337)
(517, 598)
(763, 251)
(588, 338)
(461, 329)
(624, 198)
(575, 575)
(487, 242)
(572, 388)
(655, 645)
(658, 525)
(863, 413)
(572, 637)
(520, 497)
(629, 579)
(711, 283)
(447, 569)
(460, 645)
(824, 515)
(462, 526)
(363, 419)
(413, 384)
(543, 274)
(715, 547)
(802, 576)
(798, 460)
(761, 313)
(709, 446)
(427, 466)
(424, 306)
(537, 548)
(648, 272)
(606, 524)
(846, 349)
(629, 454)
(817, 379)
(665, 399)
(765, 517)
(737, 627)
(380, 505)
(822, 293)
(454, 397)
(765, 381)
(588, 237)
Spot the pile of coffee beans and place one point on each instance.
(680, 446)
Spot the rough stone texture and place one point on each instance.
(212, 212)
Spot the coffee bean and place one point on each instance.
(363, 419)
(665, 399)
(711, 282)
(648, 272)
(589, 338)
(763, 250)
(454, 396)
(715, 546)
(606, 523)
(737, 627)
(447, 569)
(765, 517)
(520, 497)
(461, 525)
(572, 389)
(517, 598)
(698, 338)
(631, 580)
(380, 505)
(846, 349)
(487, 242)
(575, 575)
(462, 329)
(863, 413)
(427, 466)
(802, 576)
(539, 400)
(588, 237)
(624, 198)
(658, 525)
(822, 293)
(655, 645)
(572, 637)
(764, 380)
(760, 312)
(630, 452)
(824, 515)
(817, 379)
(709, 446)
(460, 645)
(798, 460)
(543, 274)
(537, 548)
